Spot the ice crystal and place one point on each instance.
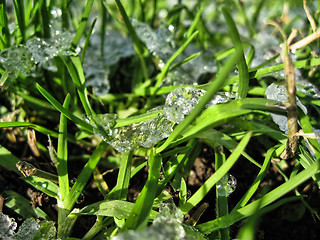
(226, 185)
(102, 124)
(181, 102)
(27, 230)
(7, 226)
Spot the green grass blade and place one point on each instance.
(214, 87)
(84, 49)
(62, 154)
(242, 65)
(4, 27)
(61, 109)
(140, 213)
(84, 176)
(119, 192)
(74, 66)
(254, 186)
(269, 198)
(22, 206)
(20, 16)
(82, 25)
(223, 170)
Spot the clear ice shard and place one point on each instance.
(27, 230)
(278, 92)
(102, 124)
(166, 226)
(180, 102)
(226, 185)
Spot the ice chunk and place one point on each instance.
(7, 226)
(278, 92)
(226, 185)
(222, 97)
(28, 229)
(177, 77)
(102, 124)
(180, 102)
(166, 226)
(16, 60)
(143, 134)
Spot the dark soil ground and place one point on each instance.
(290, 221)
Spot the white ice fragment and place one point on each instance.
(7, 226)
(180, 102)
(226, 185)
(222, 97)
(278, 92)
(177, 77)
(16, 60)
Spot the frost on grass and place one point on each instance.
(226, 185)
(97, 64)
(143, 134)
(168, 225)
(278, 92)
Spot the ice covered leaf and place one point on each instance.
(278, 92)
(226, 185)
(177, 77)
(7, 226)
(180, 102)
(166, 226)
(16, 60)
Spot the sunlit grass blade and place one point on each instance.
(254, 186)
(119, 192)
(82, 25)
(266, 200)
(19, 11)
(62, 154)
(140, 213)
(86, 44)
(214, 87)
(4, 27)
(242, 65)
(66, 112)
(84, 176)
(223, 170)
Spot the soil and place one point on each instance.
(290, 221)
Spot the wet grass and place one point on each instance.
(105, 108)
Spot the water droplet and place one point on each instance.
(226, 185)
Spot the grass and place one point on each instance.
(56, 98)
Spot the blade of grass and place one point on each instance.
(20, 16)
(84, 176)
(140, 213)
(119, 192)
(214, 87)
(86, 44)
(82, 25)
(242, 65)
(221, 201)
(223, 170)
(4, 27)
(61, 109)
(62, 154)
(266, 200)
